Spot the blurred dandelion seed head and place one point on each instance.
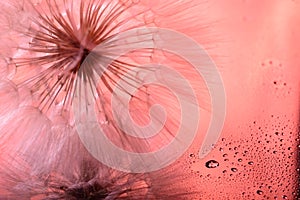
(84, 55)
(91, 66)
(176, 43)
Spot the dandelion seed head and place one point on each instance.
(53, 55)
(60, 36)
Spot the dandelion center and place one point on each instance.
(61, 38)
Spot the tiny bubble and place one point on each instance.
(234, 169)
(259, 192)
(192, 155)
(211, 164)
(251, 163)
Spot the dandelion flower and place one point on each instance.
(49, 58)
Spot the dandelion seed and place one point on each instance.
(82, 177)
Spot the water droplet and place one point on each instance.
(240, 160)
(259, 192)
(234, 169)
(212, 164)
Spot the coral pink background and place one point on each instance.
(261, 72)
(259, 60)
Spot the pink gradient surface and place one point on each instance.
(261, 73)
(255, 45)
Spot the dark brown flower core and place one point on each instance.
(88, 186)
(92, 181)
(85, 186)
(86, 191)
(61, 39)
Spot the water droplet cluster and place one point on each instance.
(262, 165)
